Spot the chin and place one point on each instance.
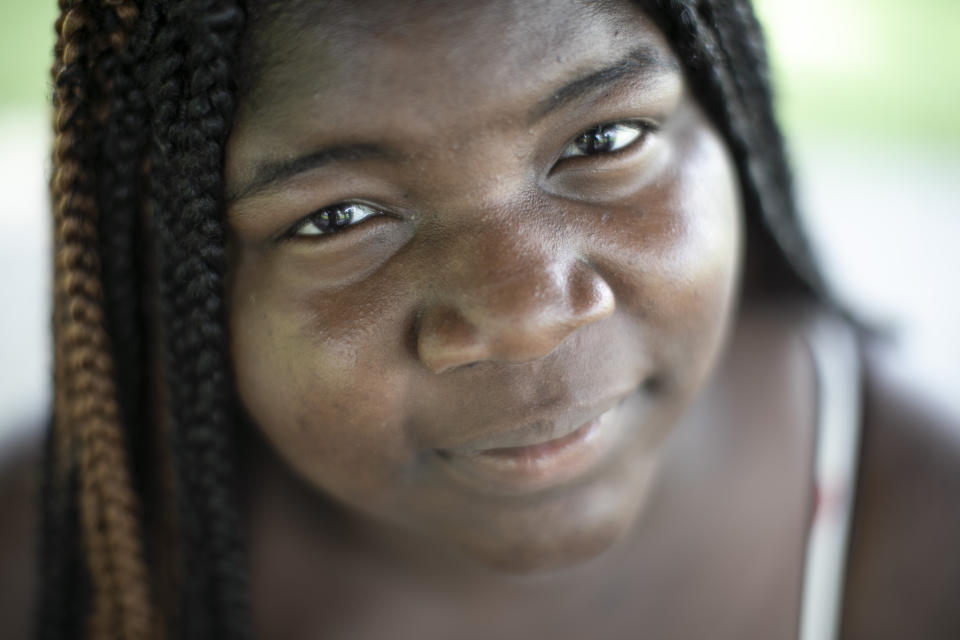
(565, 533)
(534, 558)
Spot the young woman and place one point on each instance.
(479, 319)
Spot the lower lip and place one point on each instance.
(524, 470)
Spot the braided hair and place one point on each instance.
(137, 157)
(144, 407)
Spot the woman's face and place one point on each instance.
(483, 256)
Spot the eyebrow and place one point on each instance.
(643, 60)
(271, 173)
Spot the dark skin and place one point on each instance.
(510, 291)
(505, 291)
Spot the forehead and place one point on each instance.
(379, 56)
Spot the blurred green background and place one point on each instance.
(26, 48)
(883, 69)
(878, 69)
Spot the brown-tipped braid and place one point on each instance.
(88, 431)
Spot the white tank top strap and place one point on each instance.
(834, 348)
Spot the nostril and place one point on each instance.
(446, 340)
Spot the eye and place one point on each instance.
(332, 219)
(606, 138)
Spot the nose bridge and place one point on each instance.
(508, 272)
(510, 289)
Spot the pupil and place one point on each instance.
(335, 218)
(342, 216)
(598, 140)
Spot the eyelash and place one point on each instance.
(337, 218)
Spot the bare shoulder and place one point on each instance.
(903, 578)
(19, 482)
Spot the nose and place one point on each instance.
(503, 300)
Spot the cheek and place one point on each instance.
(700, 271)
(678, 255)
(320, 387)
(701, 263)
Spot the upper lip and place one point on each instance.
(551, 425)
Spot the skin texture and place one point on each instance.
(506, 295)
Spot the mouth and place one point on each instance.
(539, 462)
(534, 452)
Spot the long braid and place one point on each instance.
(87, 419)
(72, 200)
(721, 47)
(107, 504)
(192, 121)
(123, 148)
(740, 36)
(63, 575)
(64, 581)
